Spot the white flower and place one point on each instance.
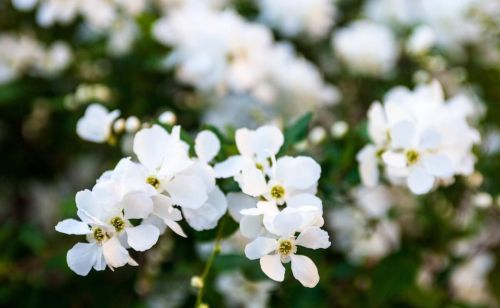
(289, 176)
(366, 48)
(96, 123)
(238, 290)
(293, 17)
(106, 225)
(419, 138)
(256, 148)
(416, 156)
(273, 250)
(421, 40)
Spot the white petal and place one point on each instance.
(204, 172)
(272, 267)
(142, 237)
(163, 208)
(439, 165)
(176, 228)
(305, 271)
(187, 191)
(419, 181)
(230, 167)
(304, 200)
(298, 172)
(137, 205)
(368, 165)
(287, 223)
(260, 247)
(207, 216)
(72, 226)
(237, 202)
(252, 181)
(114, 253)
(313, 238)
(402, 134)
(82, 257)
(206, 146)
(251, 226)
(269, 140)
(394, 159)
(429, 139)
(150, 145)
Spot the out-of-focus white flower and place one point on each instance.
(394, 12)
(167, 118)
(468, 282)
(239, 291)
(256, 148)
(51, 12)
(419, 138)
(281, 247)
(482, 200)
(339, 129)
(119, 126)
(317, 134)
(231, 55)
(24, 5)
(421, 40)
(293, 17)
(96, 123)
(366, 48)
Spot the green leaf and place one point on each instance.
(296, 132)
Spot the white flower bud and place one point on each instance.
(196, 282)
(132, 124)
(339, 129)
(317, 135)
(119, 126)
(482, 200)
(168, 118)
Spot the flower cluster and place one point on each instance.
(278, 209)
(231, 55)
(22, 54)
(131, 205)
(419, 138)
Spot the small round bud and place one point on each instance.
(167, 118)
(119, 126)
(301, 146)
(339, 129)
(196, 282)
(317, 135)
(482, 200)
(132, 124)
(203, 305)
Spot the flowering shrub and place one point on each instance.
(234, 153)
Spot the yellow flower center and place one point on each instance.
(259, 166)
(118, 224)
(99, 235)
(277, 192)
(285, 247)
(153, 181)
(412, 157)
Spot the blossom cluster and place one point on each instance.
(231, 55)
(131, 205)
(278, 208)
(420, 139)
(22, 54)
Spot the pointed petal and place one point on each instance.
(272, 267)
(305, 271)
(174, 226)
(82, 257)
(72, 226)
(313, 238)
(142, 237)
(206, 146)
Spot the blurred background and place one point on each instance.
(245, 63)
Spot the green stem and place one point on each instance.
(210, 261)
